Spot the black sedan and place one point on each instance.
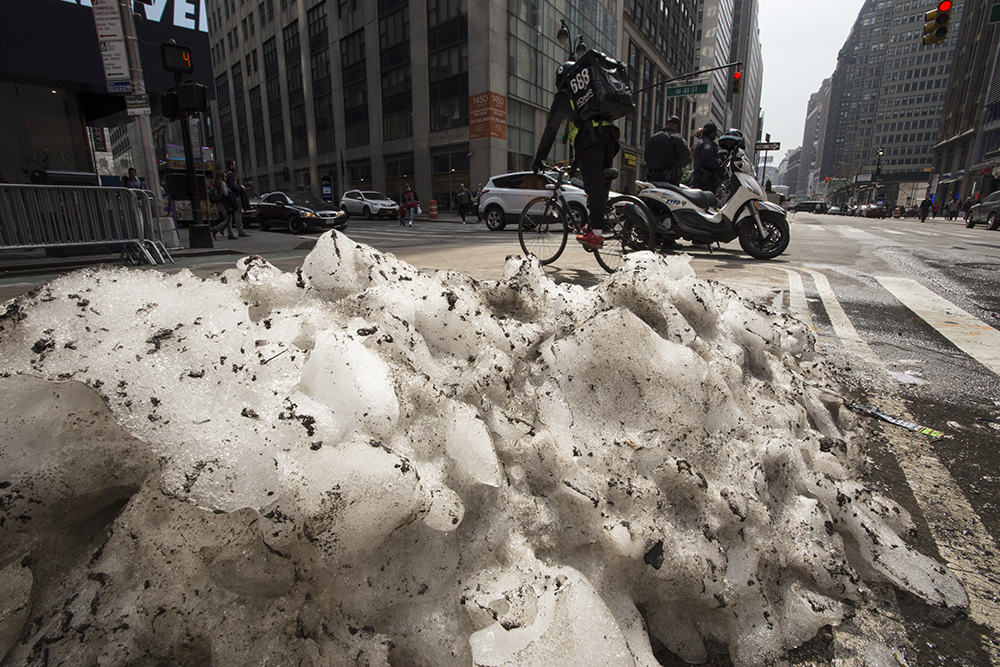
(298, 211)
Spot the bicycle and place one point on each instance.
(546, 222)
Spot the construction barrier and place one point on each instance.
(432, 210)
(60, 219)
(897, 212)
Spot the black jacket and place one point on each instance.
(707, 166)
(667, 154)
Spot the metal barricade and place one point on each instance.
(54, 217)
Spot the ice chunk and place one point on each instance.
(572, 626)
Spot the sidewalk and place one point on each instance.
(258, 243)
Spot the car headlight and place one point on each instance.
(311, 214)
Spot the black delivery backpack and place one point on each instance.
(598, 86)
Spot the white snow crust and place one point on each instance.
(362, 463)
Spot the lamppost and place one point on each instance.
(563, 38)
(878, 173)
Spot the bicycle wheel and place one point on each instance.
(542, 230)
(624, 232)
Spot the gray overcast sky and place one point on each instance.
(799, 40)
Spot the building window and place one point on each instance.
(296, 93)
(257, 117)
(449, 167)
(399, 170)
(322, 82)
(275, 116)
(355, 82)
(521, 136)
(359, 175)
(394, 54)
(448, 63)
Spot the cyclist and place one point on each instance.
(595, 144)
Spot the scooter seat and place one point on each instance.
(702, 198)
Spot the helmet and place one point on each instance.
(732, 140)
(561, 72)
(673, 119)
(709, 128)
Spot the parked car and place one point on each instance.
(810, 206)
(504, 197)
(298, 211)
(834, 210)
(368, 203)
(874, 211)
(987, 211)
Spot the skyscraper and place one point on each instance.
(886, 99)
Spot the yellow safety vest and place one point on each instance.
(574, 128)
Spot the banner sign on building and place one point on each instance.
(488, 116)
(71, 50)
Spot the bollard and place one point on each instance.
(897, 212)
(432, 210)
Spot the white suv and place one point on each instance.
(368, 204)
(504, 197)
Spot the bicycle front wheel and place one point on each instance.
(543, 230)
(625, 231)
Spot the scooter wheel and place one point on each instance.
(774, 242)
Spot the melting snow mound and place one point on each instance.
(361, 462)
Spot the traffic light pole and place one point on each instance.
(143, 120)
(189, 161)
(738, 63)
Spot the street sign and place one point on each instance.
(687, 90)
(137, 105)
(119, 86)
(994, 14)
(108, 19)
(115, 59)
(770, 146)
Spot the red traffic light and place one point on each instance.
(944, 5)
(737, 75)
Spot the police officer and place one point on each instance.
(707, 163)
(667, 154)
(595, 143)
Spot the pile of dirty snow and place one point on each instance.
(363, 462)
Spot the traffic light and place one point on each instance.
(737, 82)
(936, 23)
(176, 58)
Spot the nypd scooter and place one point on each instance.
(694, 215)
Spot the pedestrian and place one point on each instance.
(953, 207)
(667, 154)
(411, 203)
(226, 205)
(707, 163)
(132, 180)
(464, 198)
(596, 144)
(925, 208)
(967, 207)
(239, 195)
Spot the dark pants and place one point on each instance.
(595, 152)
(463, 210)
(670, 176)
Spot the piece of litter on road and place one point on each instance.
(907, 378)
(987, 419)
(897, 421)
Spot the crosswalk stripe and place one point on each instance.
(797, 304)
(969, 334)
(937, 493)
(842, 324)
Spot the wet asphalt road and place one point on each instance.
(883, 299)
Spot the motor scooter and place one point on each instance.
(681, 212)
